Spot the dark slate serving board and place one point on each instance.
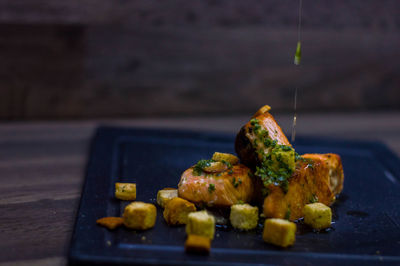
(366, 215)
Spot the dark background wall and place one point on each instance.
(81, 59)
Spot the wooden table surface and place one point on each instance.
(42, 171)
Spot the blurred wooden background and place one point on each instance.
(81, 59)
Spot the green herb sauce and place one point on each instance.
(211, 188)
(314, 198)
(236, 183)
(277, 161)
(198, 169)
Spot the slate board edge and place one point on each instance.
(75, 257)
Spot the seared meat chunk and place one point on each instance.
(288, 181)
(312, 181)
(221, 189)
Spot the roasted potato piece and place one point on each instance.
(177, 210)
(279, 232)
(244, 216)
(110, 222)
(216, 167)
(139, 215)
(317, 215)
(197, 244)
(227, 157)
(125, 191)
(165, 195)
(201, 223)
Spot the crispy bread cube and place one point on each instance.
(227, 157)
(140, 215)
(176, 211)
(110, 222)
(244, 216)
(125, 191)
(165, 195)
(279, 232)
(197, 244)
(317, 215)
(201, 223)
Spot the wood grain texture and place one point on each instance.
(42, 171)
(89, 59)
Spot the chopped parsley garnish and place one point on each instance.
(227, 164)
(314, 198)
(211, 188)
(236, 184)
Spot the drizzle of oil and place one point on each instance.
(293, 138)
(297, 59)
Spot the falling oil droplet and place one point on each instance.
(297, 59)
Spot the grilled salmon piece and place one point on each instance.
(318, 178)
(335, 168)
(291, 182)
(217, 189)
(244, 143)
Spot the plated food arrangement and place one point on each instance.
(266, 180)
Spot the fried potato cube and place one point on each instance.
(165, 195)
(110, 222)
(139, 215)
(198, 244)
(279, 232)
(227, 157)
(201, 223)
(317, 215)
(125, 191)
(176, 211)
(244, 216)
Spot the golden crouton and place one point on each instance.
(227, 157)
(140, 215)
(244, 216)
(110, 222)
(125, 191)
(176, 211)
(197, 244)
(279, 232)
(317, 215)
(201, 223)
(165, 195)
